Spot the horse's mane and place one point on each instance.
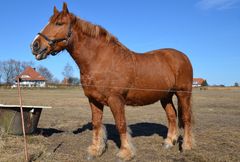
(91, 30)
(96, 31)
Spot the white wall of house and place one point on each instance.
(27, 83)
(196, 84)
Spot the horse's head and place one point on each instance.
(55, 36)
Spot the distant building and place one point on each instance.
(30, 78)
(198, 82)
(66, 81)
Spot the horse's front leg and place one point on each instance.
(116, 103)
(99, 132)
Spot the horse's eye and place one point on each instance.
(58, 23)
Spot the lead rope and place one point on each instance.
(23, 126)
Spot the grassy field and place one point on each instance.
(65, 130)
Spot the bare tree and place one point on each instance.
(0, 72)
(8, 71)
(25, 64)
(11, 68)
(67, 71)
(45, 73)
(56, 80)
(74, 81)
(236, 84)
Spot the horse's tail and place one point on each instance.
(180, 112)
(180, 119)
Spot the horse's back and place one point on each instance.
(157, 73)
(166, 66)
(181, 68)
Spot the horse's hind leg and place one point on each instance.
(99, 132)
(172, 125)
(185, 118)
(116, 103)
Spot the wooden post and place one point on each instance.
(23, 126)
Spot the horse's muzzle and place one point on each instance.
(35, 46)
(38, 51)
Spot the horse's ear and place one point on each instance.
(55, 10)
(65, 9)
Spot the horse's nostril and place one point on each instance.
(36, 46)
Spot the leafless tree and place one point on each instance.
(74, 81)
(25, 64)
(67, 71)
(8, 71)
(56, 80)
(0, 72)
(46, 73)
(11, 68)
(236, 84)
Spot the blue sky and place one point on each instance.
(208, 31)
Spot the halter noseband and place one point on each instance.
(52, 42)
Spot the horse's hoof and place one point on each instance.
(90, 157)
(96, 151)
(125, 155)
(167, 145)
(186, 147)
(119, 160)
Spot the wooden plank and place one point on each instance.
(24, 106)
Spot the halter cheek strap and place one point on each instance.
(52, 42)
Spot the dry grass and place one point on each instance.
(64, 131)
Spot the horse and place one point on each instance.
(114, 76)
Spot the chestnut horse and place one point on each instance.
(114, 76)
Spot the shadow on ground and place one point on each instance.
(137, 130)
(47, 132)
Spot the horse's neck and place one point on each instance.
(87, 50)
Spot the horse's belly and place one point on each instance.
(144, 97)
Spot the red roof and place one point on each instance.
(198, 80)
(30, 74)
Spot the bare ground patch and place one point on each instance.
(64, 132)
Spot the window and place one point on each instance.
(25, 76)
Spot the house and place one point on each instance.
(30, 78)
(198, 82)
(66, 81)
